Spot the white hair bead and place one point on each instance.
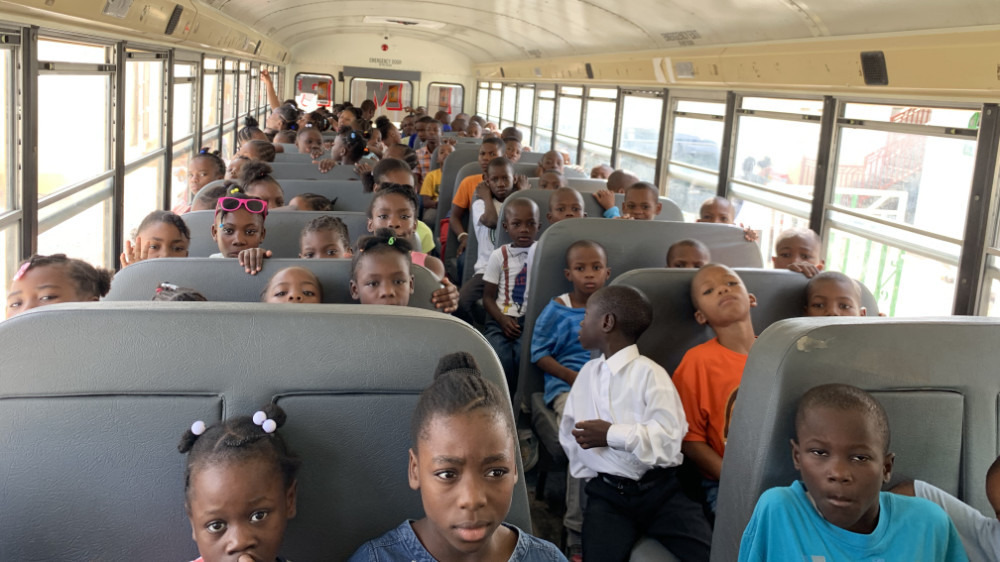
(259, 417)
(198, 427)
(269, 426)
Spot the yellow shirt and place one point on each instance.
(432, 184)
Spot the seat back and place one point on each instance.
(310, 171)
(283, 231)
(935, 378)
(92, 430)
(630, 245)
(583, 185)
(669, 211)
(349, 194)
(297, 157)
(449, 172)
(225, 281)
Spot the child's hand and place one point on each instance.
(316, 152)
(362, 168)
(626, 217)
(132, 254)
(252, 259)
(483, 192)
(325, 165)
(446, 298)
(265, 75)
(521, 182)
(605, 198)
(749, 234)
(805, 268)
(511, 328)
(461, 245)
(592, 433)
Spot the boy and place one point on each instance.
(832, 293)
(688, 254)
(641, 203)
(837, 512)
(551, 160)
(512, 150)
(632, 463)
(565, 203)
(505, 285)
(511, 133)
(556, 349)
(431, 187)
(980, 534)
(601, 172)
(718, 210)
(620, 179)
(708, 377)
(799, 249)
(432, 139)
(462, 201)
(551, 180)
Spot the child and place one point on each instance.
(161, 234)
(325, 237)
(556, 349)
(259, 150)
(837, 512)
(632, 463)
(205, 167)
(295, 285)
(250, 131)
(238, 230)
(709, 375)
(980, 534)
(512, 149)
(511, 133)
(642, 202)
(208, 197)
(348, 148)
(380, 272)
(462, 436)
(466, 191)
(688, 253)
(284, 137)
(394, 206)
(257, 181)
(718, 210)
(832, 293)
(432, 130)
(551, 160)
(431, 187)
(310, 202)
(601, 172)
(309, 141)
(799, 249)
(505, 285)
(551, 180)
(45, 280)
(620, 179)
(239, 486)
(565, 203)
(235, 169)
(168, 292)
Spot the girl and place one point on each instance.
(296, 285)
(44, 280)
(310, 202)
(310, 141)
(239, 486)
(168, 292)
(238, 229)
(390, 134)
(250, 131)
(205, 167)
(257, 181)
(208, 197)
(325, 237)
(350, 117)
(348, 148)
(161, 234)
(463, 462)
(285, 137)
(257, 150)
(395, 206)
(282, 118)
(380, 272)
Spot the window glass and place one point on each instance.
(313, 90)
(242, 96)
(568, 147)
(6, 129)
(10, 239)
(210, 142)
(183, 70)
(991, 306)
(390, 97)
(493, 113)
(545, 113)
(179, 173)
(449, 98)
(65, 158)
(697, 142)
(600, 126)
(806, 107)
(571, 91)
(767, 221)
(143, 108)
(569, 116)
(79, 226)
(640, 135)
(543, 141)
(53, 50)
(228, 143)
(708, 108)
(687, 187)
(776, 154)
(228, 95)
(483, 98)
(183, 109)
(209, 100)
(603, 93)
(142, 194)
(595, 155)
(509, 103)
(961, 118)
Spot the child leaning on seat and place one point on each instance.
(837, 511)
(463, 461)
(622, 428)
(45, 280)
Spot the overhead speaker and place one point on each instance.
(340, 76)
(590, 71)
(873, 68)
(502, 75)
(175, 18)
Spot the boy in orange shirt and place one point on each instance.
(709, 375)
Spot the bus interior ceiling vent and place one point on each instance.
(175, 18)
(873, 68)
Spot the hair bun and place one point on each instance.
(460, 361)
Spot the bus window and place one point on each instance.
(568, 115)
(390, 97)
(546, 115)
(525, 112)
(599, 128)
(695, 148)
(313, 90)
(509, 106)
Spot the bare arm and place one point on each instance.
(489, 218)
(704, 457)
(554, 368)
(272, 95)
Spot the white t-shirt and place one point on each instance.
(484, 236)
(980, 534)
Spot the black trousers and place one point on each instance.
(619, 511)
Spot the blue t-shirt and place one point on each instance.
(556, 333)
(786, 526)
(402, 545)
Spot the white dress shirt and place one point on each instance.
(636, 396)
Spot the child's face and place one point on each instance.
(587, 269)
(487, 152)
(465, 469)
(795, 249)
(200, 172)
(474, 130)
(641, 204)
(165, 241)
(407, 125)
(551, 160)
(833, 298)
(347, 119)
(238, 230)
(591, 327)
(521, 224)
(309, 141)
(551, 181)
(268, 191)
(443, 151)
(501, 180)
(235, 168)
(293, 285)
(382, 278)
(565, 205)
(720, 298)
(339, 149)
(323, 244)
(843, 463)
(421, 131)
(41, 286)
(396, 212)
(687, 256)
(512, 150)
(402, 177)
(433, 134)
(716, 211)
(239, 508)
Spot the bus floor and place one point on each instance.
(547, 512)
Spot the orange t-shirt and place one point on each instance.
(707, 380)
(466, 191)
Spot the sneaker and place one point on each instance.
(575, 553)
(529, 448)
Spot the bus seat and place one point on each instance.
(288, 147)
(92, 421)
(298, 157)
(283, 230)
(349, 194)
(530, 157)
(224, 280)
(669, 211)
(583, 185)
(573, 173)
(310, 171)
(935, 378)
(630, 245)
(461, 156)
